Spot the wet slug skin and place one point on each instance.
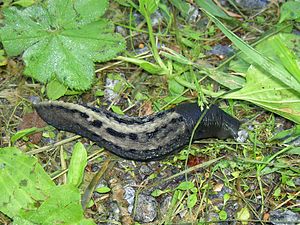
(139, 138)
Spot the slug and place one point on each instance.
(139, 138)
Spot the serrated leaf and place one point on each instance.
(77, 165)
(61, 39)
(61, 207)
(23, 182)
(29, 196)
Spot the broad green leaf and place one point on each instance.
(62, 206)
(227, 80)
(212, 8)
(265, 91)
(294, 151)
(55, 90)
(275, 70)
(24, 183)
(61, 39)
(289, 11)
(22, 133)
(29, 196)
(186, 185)
(192, 200)
(243, 215)
(77, 165)
(175, 88)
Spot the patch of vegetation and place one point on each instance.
(60, 40)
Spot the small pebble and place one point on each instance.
(146, 209)
(284, 217)
(242, 136)
(129, 197)
(252, 4)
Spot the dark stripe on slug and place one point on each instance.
(115, 133)
(83, 115)
(96, 123)
(133, 136)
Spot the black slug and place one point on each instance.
(139, 138)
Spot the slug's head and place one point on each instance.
(214, 121)
(217, 123)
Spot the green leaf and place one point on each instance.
(77, 165)
(103, 190)
(227, 80)
(192, 200)
(226, 197)
(186, 185)
(277, 192)
(289, 11)
(61, 39)
(243, 215)
(24, 183)
(262, 90)
(212, 8)
(147, 7)
(182, 6)
(29, 196)
(24, 3)
(173, 55)
(3, 58)
(287, 58)
(147, 66)
(288, 135)
(223, 215)
(62, 206)
(294, 151)
(117, 109)
(55, 90)
(269, 66)
(175, 88)
(22, 133)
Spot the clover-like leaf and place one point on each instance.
(60, 39)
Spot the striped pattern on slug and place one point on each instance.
(138, 138)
